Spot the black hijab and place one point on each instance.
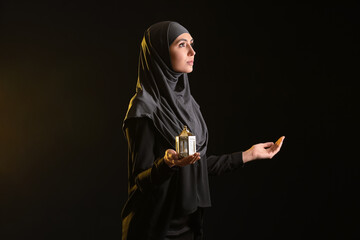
(163, 95)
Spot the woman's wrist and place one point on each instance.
(246, 156)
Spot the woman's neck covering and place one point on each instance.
(163, 95)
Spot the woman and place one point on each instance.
(167, 195)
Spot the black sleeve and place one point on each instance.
(224, 163)
(146, 170)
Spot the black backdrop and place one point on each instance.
(262, 70)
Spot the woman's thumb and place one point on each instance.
(171, 154)
(268, 144)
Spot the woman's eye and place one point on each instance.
(182, 45)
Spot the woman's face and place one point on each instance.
(182, 53)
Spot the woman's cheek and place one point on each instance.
(178, 64)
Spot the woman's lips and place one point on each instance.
(191, 63)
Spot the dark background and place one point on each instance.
(262, 70)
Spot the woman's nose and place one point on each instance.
(191, 51)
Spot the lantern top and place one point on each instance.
(185, 132)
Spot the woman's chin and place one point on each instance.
(189, 70)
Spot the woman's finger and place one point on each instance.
(196, 158)
(277, 146)
(278, 143)
(193, 158)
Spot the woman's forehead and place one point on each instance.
(184, 37)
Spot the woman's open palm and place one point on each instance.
(172, 158)
(263, 150)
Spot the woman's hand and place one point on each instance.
(172, 158)
(263, 150)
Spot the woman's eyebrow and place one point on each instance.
(183, 39)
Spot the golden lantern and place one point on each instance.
(185, 143)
